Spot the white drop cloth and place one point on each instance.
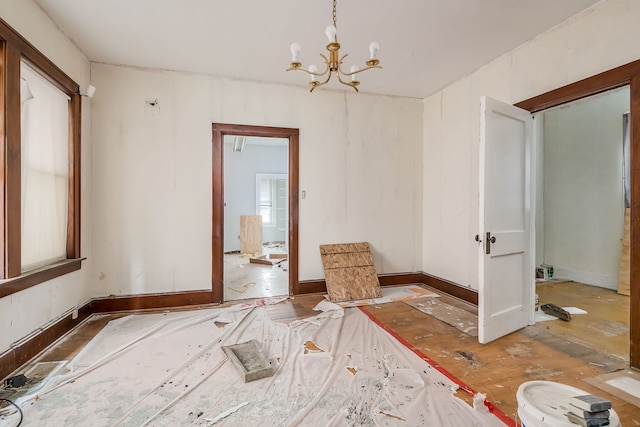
(169, 370)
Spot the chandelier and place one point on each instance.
(334, 62)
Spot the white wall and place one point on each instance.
(591, 42)
(583, 192)
(23, 313)
(360, 165)
(240, 169)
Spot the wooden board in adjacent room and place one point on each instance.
(349, 272)
(624, 282)
(251, 234)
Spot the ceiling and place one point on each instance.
(425, 44)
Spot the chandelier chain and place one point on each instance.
(334, 14)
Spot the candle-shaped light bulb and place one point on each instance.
(374, 47)
(354, 69)
(295, 52)
(313, 69)
(331, 31)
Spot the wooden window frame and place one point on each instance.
(13, 49)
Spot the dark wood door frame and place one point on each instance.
(624, 75)
(217, 261)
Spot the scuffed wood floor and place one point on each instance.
(541, 352)
(607, 324)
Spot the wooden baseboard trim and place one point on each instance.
(150, 301)
(311, 287)
(320, 286)
(399, 279)
(467, 294)
(22, 353)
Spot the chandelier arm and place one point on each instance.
(309, 72)
(360, 70)
(325, 81)
(315, 84)
(352, 84)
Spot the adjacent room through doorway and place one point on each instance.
(255, 217)
(255, 212)
(581, 208)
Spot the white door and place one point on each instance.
(506, 282)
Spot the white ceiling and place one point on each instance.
(425, 44)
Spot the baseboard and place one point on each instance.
(587, 277)
(150, 301)
(464, 293)
(312, 286)
(23, 352)
(320, 286)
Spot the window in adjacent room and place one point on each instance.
(267, 206)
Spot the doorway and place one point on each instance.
(628, 74)
(255, 217)
(580, 217)
(267, 136)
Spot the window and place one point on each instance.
(44, 153)
(40, 162)
(268, 191)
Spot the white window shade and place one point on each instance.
(45, 171)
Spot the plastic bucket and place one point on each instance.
(545, 403)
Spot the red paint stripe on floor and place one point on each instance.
(492, 408)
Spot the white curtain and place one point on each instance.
(45, 170)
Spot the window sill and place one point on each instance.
(38, 275)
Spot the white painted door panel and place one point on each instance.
(506, 277)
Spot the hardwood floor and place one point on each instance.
(545, 351)
(606, 326)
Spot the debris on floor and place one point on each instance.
(270, 259)
(249, 361)
(225, 414)
(541, 316)
(243, 288)
(624, 384)
(556, 311)
(457, 317)
(391, 294)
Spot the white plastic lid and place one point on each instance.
(548, 402)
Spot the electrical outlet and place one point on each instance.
(15, 382)
(74, 315)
